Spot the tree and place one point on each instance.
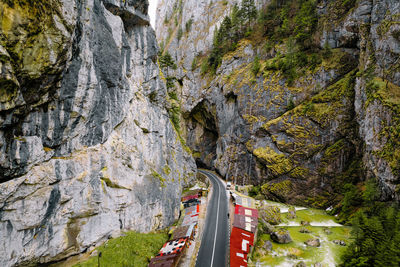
(214, 59)
(237, 22)
(166, 61)
(225, 32)
(249, 11)
(377, 234)
(306, 21)
(235, 15)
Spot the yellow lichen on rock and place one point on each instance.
(278, 163)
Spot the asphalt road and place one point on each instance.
(214, 244)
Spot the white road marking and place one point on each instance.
(216, 229)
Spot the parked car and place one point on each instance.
(228, 185)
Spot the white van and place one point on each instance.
(228, 185)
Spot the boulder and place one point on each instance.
(305, 230)
(267, 245)
(313, 242)
(291, 213)
(294, 253)
(300, 264)
(339, 242)
(266, 227)
(281, 236)
(271, 214)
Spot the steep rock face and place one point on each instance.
(87, 149)
(336, 123)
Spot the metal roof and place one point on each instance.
(246, 211)
(245, 222)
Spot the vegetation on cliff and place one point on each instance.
(132, 249)
(376, 227)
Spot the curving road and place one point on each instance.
(214, 244)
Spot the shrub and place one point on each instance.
(174, 114)
(180, 34)
(170, 82)
(133, 249)
(204, 67)
(188, 25)
(255, 68)
(254, 190)
(173, 95)
(194, 63)
(327, 52)
(315, 60)
(290, 105)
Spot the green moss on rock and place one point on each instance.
(278, 188)
(278, 163)
(159, 177)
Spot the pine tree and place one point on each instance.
(225, 32)
(249, 11)
(237, 23)
(235, 15)
(306, 21)
(166, 62)
(377, 235)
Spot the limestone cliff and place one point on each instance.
(301, 132)
(87, 149)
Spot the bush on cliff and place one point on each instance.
(133, 249)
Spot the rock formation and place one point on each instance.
(281, 236)
(87, 149)
(336, 122)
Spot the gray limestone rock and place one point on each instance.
(339, 242)
(267, 246)
(300, 264)
(239, 116)
(281, 236)
(88, 151)
(313, 242)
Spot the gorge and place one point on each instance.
(104, 120)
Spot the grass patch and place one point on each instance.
(133, 249)
(313, 215)
(329, 254)
(299, 251)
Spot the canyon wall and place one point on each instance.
(336, 122)
(87, 149)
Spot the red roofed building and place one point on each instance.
(246, 211)
(241, 240)
(237, 258)
(189, 197)
(173, 247)
(245, 222)
(164, 261)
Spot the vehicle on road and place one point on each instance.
(228, 185)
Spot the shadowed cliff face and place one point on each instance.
(86, 145)
(302, 139)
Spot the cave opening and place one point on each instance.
(203, 134)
